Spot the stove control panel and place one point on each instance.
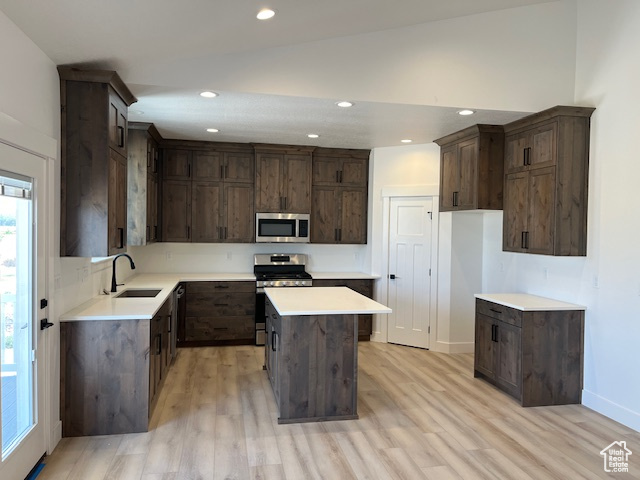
(283, 283)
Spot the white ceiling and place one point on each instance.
(128, 35)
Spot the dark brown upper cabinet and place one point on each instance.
(93, 216)
(340, 167)
(471, 169)
(208, 191)
(545, 183)
(283, 178)
(142, 181)
(339, 206)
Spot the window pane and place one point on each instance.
(16, 332)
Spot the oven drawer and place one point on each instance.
(215, 329)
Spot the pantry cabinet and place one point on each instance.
(546, 182)
(94, 149)
(534, 355)
(471, 169)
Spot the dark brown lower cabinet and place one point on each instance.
(312, 365)
(219, 313)
(534, 356)
(363, 287)
(111, 373)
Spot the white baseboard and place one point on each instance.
(454, 347)
(612, 410)
(56, 436)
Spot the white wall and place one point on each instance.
(607, 280)
(238, 258)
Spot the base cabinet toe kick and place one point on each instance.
(311, 359)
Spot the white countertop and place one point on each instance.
(290, 301)
(526, 302)
(110, 307)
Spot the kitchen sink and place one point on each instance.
(139, 292)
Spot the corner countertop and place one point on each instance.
(289, 301)
(111, 307)
(526, 302)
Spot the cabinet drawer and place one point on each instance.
(221, 304)
(362, 286)
(499, 312)
(219, 328)
(216, 287)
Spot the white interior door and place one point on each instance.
(22, 285)
(410, 223)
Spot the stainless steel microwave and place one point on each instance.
(282, 227)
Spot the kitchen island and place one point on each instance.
(311, 352)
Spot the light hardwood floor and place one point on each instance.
(422, 415)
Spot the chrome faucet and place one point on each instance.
(114, 285)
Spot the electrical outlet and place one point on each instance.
(229, 255)
(501, 267)
(545, 273)
(596, 282)
(168, 255)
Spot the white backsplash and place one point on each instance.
(238, 258)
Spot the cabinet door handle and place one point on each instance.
(225, 233)
(221, 171)
(522, 240)
(525, 240)
(189, 170)
(155, 232)
(339, 234)
(188, 231)
(169, 322)
(158, 344)
(121, 233)
(221, 304)
(120, 136)
(455, 199)
(340, 176)
(337, 176)
(148, 232)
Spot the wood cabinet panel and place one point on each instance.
(142, 184)
(176, 211)
(238, 213)
(93, 177)
(269, 171)
(471, 169)
(324, 215)
(207, 166)
(207, 202)
(239, 167)
(297, 184)
(340, 167)
(551, 149)
(219, 313)
(539, 362)
(176, 164)
(353, 216)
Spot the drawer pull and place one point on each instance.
(221, 286)
(221, 304)
(496, 311)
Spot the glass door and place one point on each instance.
(22, 284)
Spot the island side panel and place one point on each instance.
(318, 358)
(105, 377)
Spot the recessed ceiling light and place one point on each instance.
(212, 130)
(265, 14)
(406, 140)
(208, 94)
(344, 104)
(313, 135)
(466, 112)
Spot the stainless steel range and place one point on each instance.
(276, 270)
